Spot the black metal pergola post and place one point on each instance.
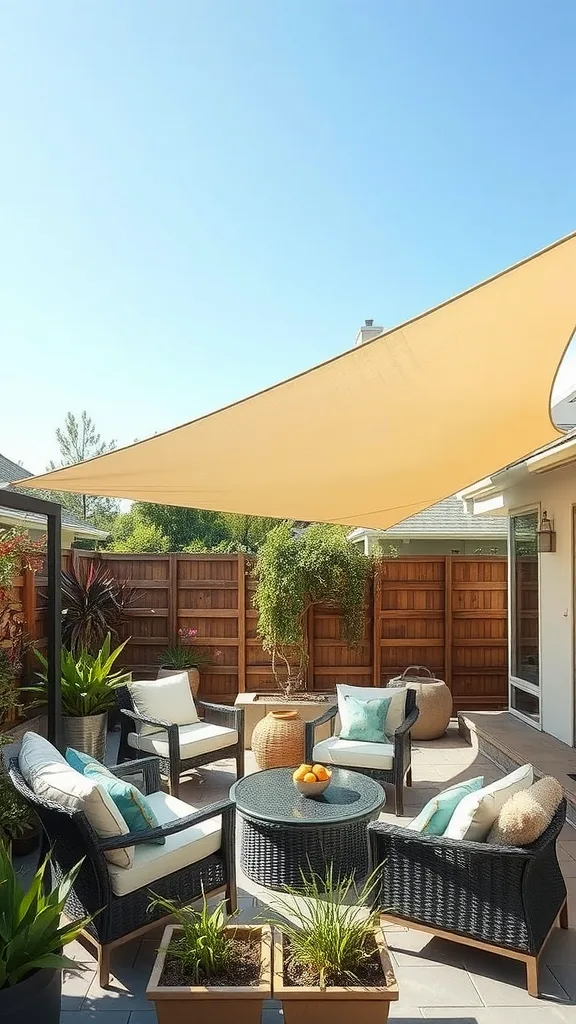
(38, 506)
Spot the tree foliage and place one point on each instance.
(298, 570)
(131, 532)
(183, 525)
(79, 440)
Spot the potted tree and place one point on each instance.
(330, 958)
(31, 942)
(184, 656)
(87, 687)
(296, 571)
(208, 969)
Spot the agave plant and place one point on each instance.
(94, 603)
(87, 680)
(31, 935)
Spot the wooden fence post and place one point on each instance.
(172, 623)
(448, 620)
(241, 570)
(376, 624)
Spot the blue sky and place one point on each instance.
(199, 199)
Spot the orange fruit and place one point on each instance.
(321, 772)
(299, 774)
(309, 777)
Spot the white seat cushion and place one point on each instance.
(396, 709)
(199, 738)
(51, 777)
(181, 849)
(356, 753)
(169, 700)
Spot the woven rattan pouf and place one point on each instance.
(278, 740)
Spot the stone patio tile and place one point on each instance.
(139, 1017)
(126, 991)
(538, 1013)
(560, 948)
(405, 1014)
(502, 982)
(97, 1017)
(417, 949)
(565, 974)
(75, 985)
(436, 986)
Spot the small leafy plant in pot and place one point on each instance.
(88, 687)
(185, 656)
(207, 969)
(32, 938)
(330, 957)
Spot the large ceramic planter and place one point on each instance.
(278, 740)
(433, 700)
(36, 1000)
(87, 734)
(193, 676)
(335, 1004)
(216, 1004)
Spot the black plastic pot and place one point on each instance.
(36, 1000)
(26, 843)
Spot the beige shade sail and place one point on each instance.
(382, 431)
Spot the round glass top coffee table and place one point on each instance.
(285, 833)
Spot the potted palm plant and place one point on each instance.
(32, 938)
(330, 957)
(184, 656)
(87, 686)
(208, 969)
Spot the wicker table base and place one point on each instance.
(285, 835)
(276, 857)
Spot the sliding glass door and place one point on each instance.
(525, 617)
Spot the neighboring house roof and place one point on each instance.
(10, 471)
(448, 518)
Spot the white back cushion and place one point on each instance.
(168, 699)
(477, 812)
(396, 709)
(50, 776)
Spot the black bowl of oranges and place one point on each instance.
(312, 779)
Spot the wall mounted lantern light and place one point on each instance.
(546, 534)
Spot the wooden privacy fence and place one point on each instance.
(446, 612)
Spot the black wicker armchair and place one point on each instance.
(116, 919)
(166, 743)
(401, 770)
(502, 899)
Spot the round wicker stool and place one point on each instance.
(278, 740)
(433, 700)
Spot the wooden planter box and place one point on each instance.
(334, 1005)
(217, 1004)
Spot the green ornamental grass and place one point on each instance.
(327, 926)
(204, 949)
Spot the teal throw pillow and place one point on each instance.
(434, 818)
(365, 720)
(132, 804)
(78, 760)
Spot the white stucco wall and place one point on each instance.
(555, 493)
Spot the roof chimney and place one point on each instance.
(367, 332)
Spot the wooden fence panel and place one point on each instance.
(446, 612)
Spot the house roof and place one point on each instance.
(447, 518)
(10, 471)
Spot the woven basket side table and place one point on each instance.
(433, 700)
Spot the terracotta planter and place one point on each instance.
(193, 676)
(278, 740)
(334, 1005)
(217, 1004)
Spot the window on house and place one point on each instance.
(525, 601)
